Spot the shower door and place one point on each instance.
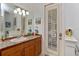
(52, 29)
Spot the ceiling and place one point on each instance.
(29, 6)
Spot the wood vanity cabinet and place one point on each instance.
(28, 48)
(33, 48)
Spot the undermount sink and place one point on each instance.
(20, 39)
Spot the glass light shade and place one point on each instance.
(15, 11)
(24, 14)
(18, 9)
(20, 13)
(23, 11)
(27, 13)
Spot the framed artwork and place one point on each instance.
(38, 20)
(29, 21)
(7, 24)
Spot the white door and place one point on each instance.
(53, 29)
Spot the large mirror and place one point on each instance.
(15, 23)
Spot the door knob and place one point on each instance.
(60, 36)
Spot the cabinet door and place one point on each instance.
(30, 51)
(12, 51)
(38, 46)
(69, 51)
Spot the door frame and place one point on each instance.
(60, 48)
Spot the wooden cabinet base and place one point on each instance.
(28, 48)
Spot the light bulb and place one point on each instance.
(27, 13)
(20, 13)
(23, 11)
(24, 14)
(18, 9)
(15, 11)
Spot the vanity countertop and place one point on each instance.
(72, 39)
(14, 41)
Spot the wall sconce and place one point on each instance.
(21, 12)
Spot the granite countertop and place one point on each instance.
(15, 41)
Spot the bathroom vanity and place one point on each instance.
(12, 26)
(23, 46)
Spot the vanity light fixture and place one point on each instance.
(21, 12)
